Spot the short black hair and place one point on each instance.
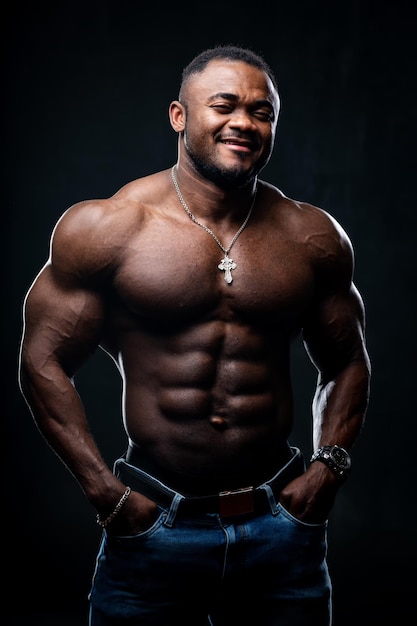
(230, 53)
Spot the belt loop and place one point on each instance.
(271, 498)
(173, 510)
(116, 466)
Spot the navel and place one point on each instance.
(218, 422)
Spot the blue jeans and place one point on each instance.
(268, 569)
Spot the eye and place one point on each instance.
(222, 107)
(264, 116)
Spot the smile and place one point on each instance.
(237, 144)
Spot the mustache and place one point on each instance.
(236, 135)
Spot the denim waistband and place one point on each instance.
(248, 500)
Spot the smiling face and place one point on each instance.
(228, 121)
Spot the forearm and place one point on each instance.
(60, 417)
(340, 405)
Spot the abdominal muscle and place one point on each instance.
(208, 409)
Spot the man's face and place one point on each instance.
(231, 117)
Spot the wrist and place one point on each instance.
(104, 522)
(336, 458)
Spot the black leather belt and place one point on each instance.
(225, 503)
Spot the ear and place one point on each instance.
(177, 116)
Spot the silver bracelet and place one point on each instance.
(105, 522)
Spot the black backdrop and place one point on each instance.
(87, 88)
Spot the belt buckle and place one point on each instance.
(236, 502)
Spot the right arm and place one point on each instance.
(64, 317)
(62, 326)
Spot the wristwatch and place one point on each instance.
(336, 458)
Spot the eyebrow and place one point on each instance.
(224, 95)
(234, 98)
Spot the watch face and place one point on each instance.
(340, 457)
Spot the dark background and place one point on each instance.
(86, 92)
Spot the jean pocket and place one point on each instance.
(295, 520)
(147, 532)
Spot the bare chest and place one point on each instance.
(181, 276)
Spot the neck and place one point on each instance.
(210, 202)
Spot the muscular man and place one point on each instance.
(196, 280)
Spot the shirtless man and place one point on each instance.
(196, 280)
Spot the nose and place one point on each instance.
(242, 119)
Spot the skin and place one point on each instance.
(205, 365)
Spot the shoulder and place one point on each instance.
(92, 235)
(318, 233)
(307, 223)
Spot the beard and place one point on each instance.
(225, 178)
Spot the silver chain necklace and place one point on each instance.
(227, 264)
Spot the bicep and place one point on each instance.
(334, 331)
(63, 322)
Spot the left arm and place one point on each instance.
(335, 342)
(334, 337)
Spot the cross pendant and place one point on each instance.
(226, 265)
